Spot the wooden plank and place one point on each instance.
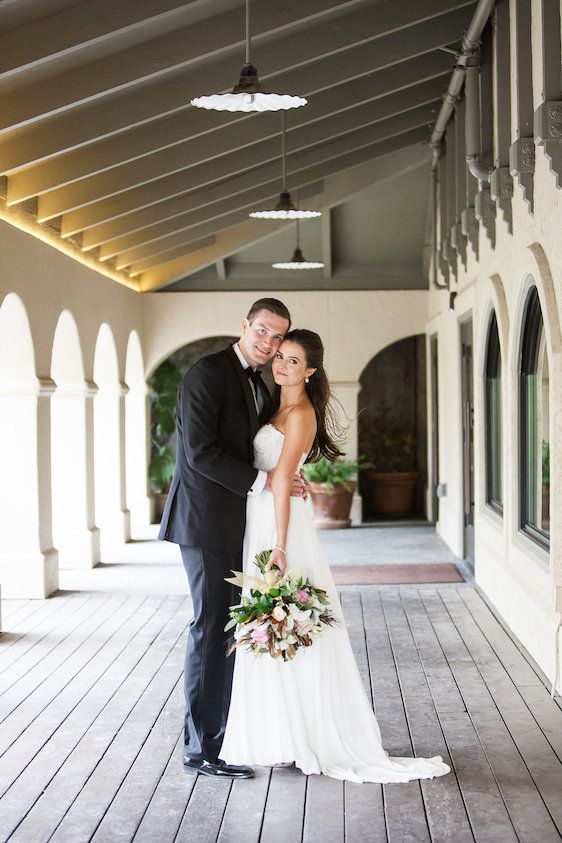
(127, 808)
(57, 686)
(73, 694)
(168, 803)
(486, 811)
(323, 810)
(284, 810)
(525, 807)
(22, 626)
(535, 693)
(122, 729)
(404, 806)
(203, 816)
(539, 758)
(51, 781)
(364, 805)
(446, 814)
(244, 811)
(11, 607)
(40, 662)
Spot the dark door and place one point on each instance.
(434, 425)
(467, 398)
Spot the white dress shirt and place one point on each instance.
(261, 479)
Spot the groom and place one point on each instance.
(222, 401)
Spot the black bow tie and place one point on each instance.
(253, 376)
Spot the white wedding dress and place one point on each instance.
(313, 710)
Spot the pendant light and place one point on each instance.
(284, 210)
(298, 261)
(248, 94)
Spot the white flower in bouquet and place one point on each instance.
(279, 613)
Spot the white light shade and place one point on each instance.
(248, 95)
(285, 215)
(298, 262)
(248, 102)
(284, 210)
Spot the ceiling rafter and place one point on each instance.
(186, 127)
(81, 207)
(149, 101)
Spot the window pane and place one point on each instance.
(535, 424)
(493, 418)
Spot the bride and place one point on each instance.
(312, 710)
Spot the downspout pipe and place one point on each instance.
(469, 57)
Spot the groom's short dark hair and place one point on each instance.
(273, 305)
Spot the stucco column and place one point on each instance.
(346, 393)
(137, 451)
(74, 530)
(28, 560)
(112, 515)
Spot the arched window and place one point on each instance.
(534, 489)
(493, 429)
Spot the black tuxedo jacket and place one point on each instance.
(216, 421)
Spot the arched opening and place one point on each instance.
(163, 385)
(112, 515)
(137, 442)
(28, 562)
(493, 426)
(393, 431)
(534, 425)
(75, 533)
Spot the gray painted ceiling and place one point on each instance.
(99, 142)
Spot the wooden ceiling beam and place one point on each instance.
(73, 29)
(393, 55)
(391, 82)
(349, 130)
(145, 102)
(159, 57)
(345, 184)
(139, 260)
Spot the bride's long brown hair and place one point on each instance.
(328, 428)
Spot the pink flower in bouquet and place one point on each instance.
(303, 595)
(260, 634)
(303, 627)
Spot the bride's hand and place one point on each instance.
(277, 559)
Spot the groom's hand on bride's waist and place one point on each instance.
(299, 486)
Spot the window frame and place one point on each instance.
(492, 372)
(532, 328)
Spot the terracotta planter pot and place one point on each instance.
(331, 511)
(391, 493)
(159, 504)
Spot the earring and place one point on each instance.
(307, 380)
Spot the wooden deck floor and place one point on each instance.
(91, 711)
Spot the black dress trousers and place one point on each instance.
(208, 671)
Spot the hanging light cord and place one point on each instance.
(283, 150)
(247, 31)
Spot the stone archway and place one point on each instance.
(396, 379)
(28, 561)
(163, 384)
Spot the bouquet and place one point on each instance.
(280, 614)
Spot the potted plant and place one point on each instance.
(165, 382)
(390, 478)
(331, 491)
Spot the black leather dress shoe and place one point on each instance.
(218, 769)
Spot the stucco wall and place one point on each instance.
(522, 580)
(48, 281)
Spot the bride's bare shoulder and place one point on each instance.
(301, 416)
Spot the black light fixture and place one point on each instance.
(248, 93)
(285, 209)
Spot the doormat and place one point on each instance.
(395, 574)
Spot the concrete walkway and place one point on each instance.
(133, 570)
